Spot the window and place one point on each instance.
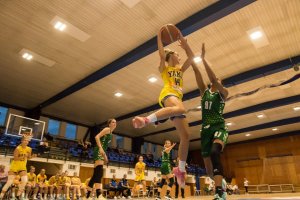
(53, 127)
(3, 114)
(153, 148)
(145, 147)
(71, 131)
(120, 142)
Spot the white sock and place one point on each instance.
(181, 166)
(152, 118)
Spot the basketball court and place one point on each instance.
(68, 66)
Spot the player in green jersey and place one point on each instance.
(102, 139)
(166, 170)
(214, 133)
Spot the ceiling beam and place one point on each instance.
(272, 124)
(243, 111)
(191, 24)
(228, 82)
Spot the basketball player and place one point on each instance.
(214, 134)
(170, 99)
(75, 186)
(166, 170)
(140, 174)
(102, 139)
(52, 184)
(41, 185)
(31, 184)
(22, 153)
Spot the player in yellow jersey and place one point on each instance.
(22, 153)
(52, 184)
(67, 185)
(170, 99)
(41, 185)
(31, 184)
(75, 186)
(140, 174)
(84, 186)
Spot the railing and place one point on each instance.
(266, 188)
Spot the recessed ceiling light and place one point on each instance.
(60, 26)
(197, 59)
(274, 129)
(199, 107)
(296, 108)
(229, 123)
(152, 79)
(27, 56)
(118, 94)
(256, 35)
(260, 116)
(248, 134)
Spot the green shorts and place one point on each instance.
(166, 168)
(209, 134)
(97, 155)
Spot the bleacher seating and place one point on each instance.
(68, 150)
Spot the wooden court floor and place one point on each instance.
(281, 196)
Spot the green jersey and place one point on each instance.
(105, 140)
(166, 157)
(212, 108)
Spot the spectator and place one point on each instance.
(153, 186)
(43, 147)
(113, 186)
(246, 184)
(124, 187)
(235, 189)
(3, 176)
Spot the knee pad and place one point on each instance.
(171, 182)
(10, 180)
(215, 159)
(163, 181)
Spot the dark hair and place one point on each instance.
(167, 140)
(109, 121)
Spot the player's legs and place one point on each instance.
(96, 178)
(144, 186)
(10, 180)
(173, 107)
(45, 190)
(170, 185)
(24, 180)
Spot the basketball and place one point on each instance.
(169, 34)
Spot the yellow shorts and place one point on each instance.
(18, 166)
(168, 92)
(140, 178)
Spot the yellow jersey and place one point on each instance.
(41, 178)
(75, 181)
(140, 168)
(173, 83)
(20, 164)
(31, 177)
(52, 180)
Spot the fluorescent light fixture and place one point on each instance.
(274, 129)
(296, 108)
(229, 124)
(261, 116)
(256, 35)
(27, 56)
(118, 94)
(248, 134)
(36, 123)
(152, 79)
(199, 107)
(197, 59)
(60, 26)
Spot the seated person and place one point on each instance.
(235, 189)
(41, 185)
(84, 187)
(229, 189)
(31, 184)
(52, 184)
(75, 185)
(113, 186)
(153, 186)
(124, 187)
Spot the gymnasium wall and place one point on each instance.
(268, 161)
